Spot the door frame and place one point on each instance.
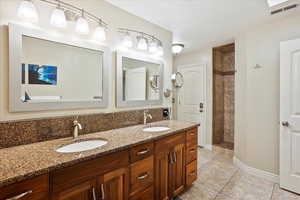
(207, 134)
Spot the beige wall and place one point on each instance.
(114, 16)
(257, 92)
(201, 56)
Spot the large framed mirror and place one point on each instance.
(139, 80)
(53, 72)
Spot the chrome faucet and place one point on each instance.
(77, 127)
(146, 116)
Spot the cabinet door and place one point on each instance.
(114, 185)
(177, 170)
(162, 176)
(84, 191)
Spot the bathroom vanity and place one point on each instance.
(134, 164)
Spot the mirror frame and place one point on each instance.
(119, 89)
(15, 59)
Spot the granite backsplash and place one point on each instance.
(22, 132)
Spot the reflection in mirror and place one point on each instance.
(57, 72)
(141, 80)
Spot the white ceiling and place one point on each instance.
(199, 23)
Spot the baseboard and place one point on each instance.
(256, 172)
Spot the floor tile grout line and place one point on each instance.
(229, 180)
(273, 189)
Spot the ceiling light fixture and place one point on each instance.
(177, 48)
(58, 17)
(142, 43)
(275, 2)
(82, 25)
(28, 11)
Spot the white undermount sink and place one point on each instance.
(156, 129)
(82, 146)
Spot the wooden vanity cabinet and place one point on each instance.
(170, 167)
(104, 178)
(157, 170)
(191, 155)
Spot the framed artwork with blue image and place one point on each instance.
(42, 74)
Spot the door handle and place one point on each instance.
(175, 157)
(285, 123)
(170, 158)
(20, 195)
(201, 107)
(143, 152)
(94, 194)
(102, 192)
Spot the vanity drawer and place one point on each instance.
(140, 152)
(147, 194)
(191, 172)
(191, 154)
(141, 175)
(192, 137)
(70, 176)
(33, 189)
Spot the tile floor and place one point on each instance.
(220, 179)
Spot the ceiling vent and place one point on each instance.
(286, 6)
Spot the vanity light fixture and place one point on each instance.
(82, 25)
(58, 17)
(127, 40)
(63, 13)
(177, 48)
(142, 43)
(99, 33)
(28, 11)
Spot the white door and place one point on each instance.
(290, 115)
(135, 84)
(191, 102)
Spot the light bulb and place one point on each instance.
(58, 18)
(153, 46)
(82, 26)
(160, 50)
(142, 43)
(127, 41)
(28, 11)
(99, 33)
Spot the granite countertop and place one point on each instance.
(26, 161)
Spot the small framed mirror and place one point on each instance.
(50, 72)
(139, 80)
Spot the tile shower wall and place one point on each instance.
(223, 130)
(228, 61)
(15, 133)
